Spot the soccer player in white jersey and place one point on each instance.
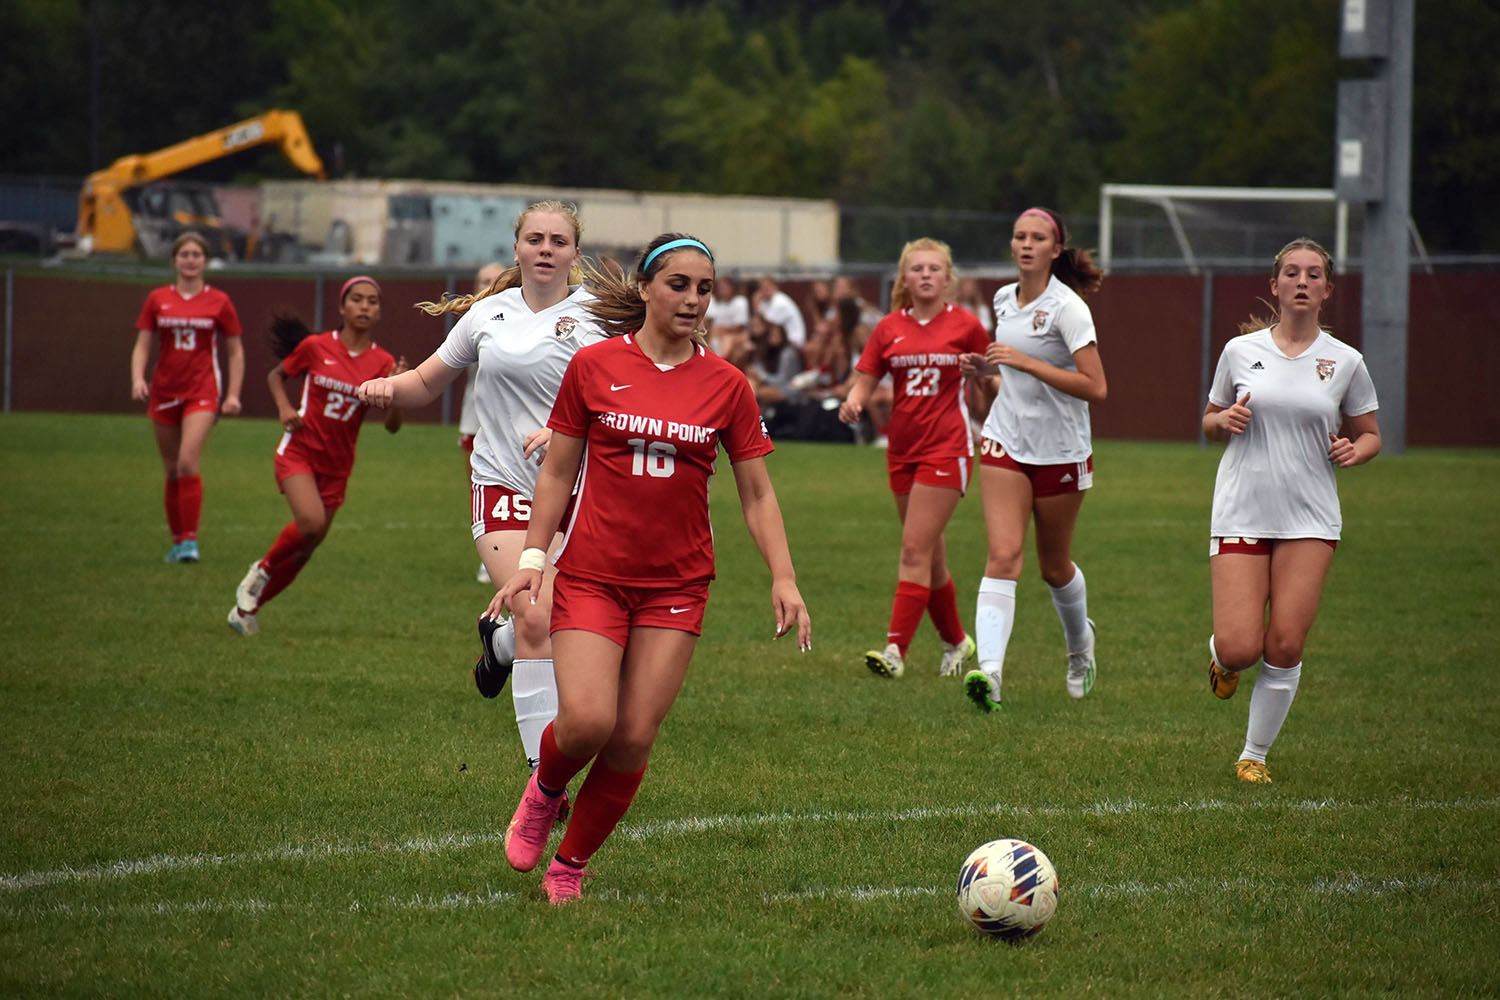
(638, 425)
(1294, 405)
(468, 410)
(1036, 453)
(521, 332)
(931, 450)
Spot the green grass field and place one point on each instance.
(317, 811)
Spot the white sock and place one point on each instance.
(1269, 703)
(994, 614)
(533, 688)
(503, 642)
(1072, 603)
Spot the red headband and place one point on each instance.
(344, 292)
(1056, 229)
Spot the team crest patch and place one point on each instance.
(1039, 319)
(1325, 369)
(565, 327)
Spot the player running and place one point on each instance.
(638, 425)
(186, 318)
(931, 450)
(1036, 456)
(316, 452)
(1279, 396)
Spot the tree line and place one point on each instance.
(960, 104)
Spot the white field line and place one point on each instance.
(158, 863)
(1354, 888)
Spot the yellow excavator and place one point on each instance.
(111, 201)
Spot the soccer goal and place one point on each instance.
(1170, 226)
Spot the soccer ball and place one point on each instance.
(1007, 888)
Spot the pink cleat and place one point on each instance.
(526, 837)
(562, 882)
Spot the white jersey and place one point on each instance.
(468, 419)
(1275, 480)
(1037, 424)
(522, 356)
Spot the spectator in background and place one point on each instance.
(776, 306)
(728, 319)
(774, 364)
(972, 299)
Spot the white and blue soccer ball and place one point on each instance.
(1007, 888)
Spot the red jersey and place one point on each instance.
(331, 413)
(187, 330)
(929, 418)
(651, 439)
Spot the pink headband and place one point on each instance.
(344, 292)
(1056, 229)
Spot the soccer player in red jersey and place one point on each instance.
(637, 425)
(316, 453)
(931, 449)
(186, 319)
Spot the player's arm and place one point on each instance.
(554, 485)
(394, 416)
(286, 413)
(139, 355)
(853, 405)
(1359, 442)
(417, 387)
(763, 518)
(234, 350)
(1087, 383)
(1220, 423)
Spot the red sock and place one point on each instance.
(556, 768)
(942, 605)
(906, 613)
(189, 504)
(598, 809)
(289, 553)
(174, 519)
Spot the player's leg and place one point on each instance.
(1056, 516)
(1006, 493)
(655, 665)
(1298, 568)
(168, 436)
(196, 424)
(924, 511)
(300, 538)
(930, 507)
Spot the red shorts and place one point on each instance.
(171, 409)
(1233, 545)
(330, 488)
(1046, 480)
(498, 508)
(612, 610)
(952, 473)
(466, 442)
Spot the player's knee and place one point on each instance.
(585, 730)
(1057, 573)
(1283, 649)
(1236, 652)
(1003, 564)
(916, 561)
(533, 624)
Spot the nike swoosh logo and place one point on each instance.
(617, 388)
(942, 473)
(329, 361)
(678, 611)
(897, 340)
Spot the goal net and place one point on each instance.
(1151, 226)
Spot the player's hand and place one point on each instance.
(376, 392)
(791, 612)
(140, 391)
(1237, 417)
(290, 419)
(1341, 451)
(971, 365)
(522, 584)
(399, 367)
(1004, 354)
(230, 406)
(850, 411)
(535, 444)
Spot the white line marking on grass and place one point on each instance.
(126, 868)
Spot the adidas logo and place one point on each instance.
(1257, 367)
(1067, 477)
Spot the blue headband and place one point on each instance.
(674, 245)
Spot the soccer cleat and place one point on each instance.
(247, 594)
(954, 657)
(562, 882)
(1221, 682)
(483, 576)
(497, 642)
(887, 662)
(1081, 668)
(526, 837)
(1253, 771)
(244, 624)
(187, 552)
(982, 690)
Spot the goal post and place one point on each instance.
(1204, 225)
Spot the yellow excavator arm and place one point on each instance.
(105, 224)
